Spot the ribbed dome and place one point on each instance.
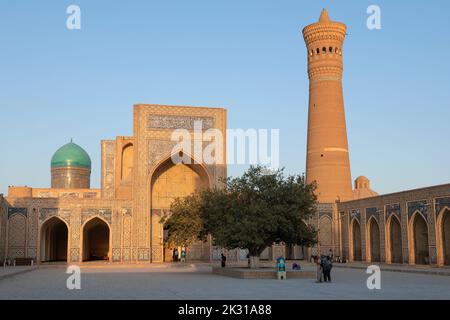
(71, 155)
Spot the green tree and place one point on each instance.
(252, 212)
(184, 222)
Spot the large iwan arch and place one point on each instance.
(54, 238)
(168, 182)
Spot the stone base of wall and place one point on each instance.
(263, 273)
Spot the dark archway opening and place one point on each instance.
(446, 237)
(374, 241)
(54, 238)
(96, 240)
(356, 232)
(421, 250)
(396, 241)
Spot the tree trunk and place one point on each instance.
(254, 262)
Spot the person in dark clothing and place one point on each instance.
(327, 265)
(175, 255)
(224, 260)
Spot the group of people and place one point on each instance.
(324, 266)
(177, 257)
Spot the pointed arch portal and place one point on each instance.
(446, 237)
(54, 240)
(395, 238)
(374, 240)
(356, 236)
(168, 182)
(96, 240)
(420, 233)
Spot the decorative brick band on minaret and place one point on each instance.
(328, 162)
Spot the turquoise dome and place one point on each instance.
(71, 155)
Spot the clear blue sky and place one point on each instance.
(247, 56)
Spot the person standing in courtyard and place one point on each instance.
(183, 255)
(175, 255)
(224, 260)
(327, 266)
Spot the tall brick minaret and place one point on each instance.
(327, 156)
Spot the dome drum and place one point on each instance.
(71, 168)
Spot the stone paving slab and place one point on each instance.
(200, 284)
(6, 272)
(398, 268)
(261, 273)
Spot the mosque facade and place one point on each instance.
(121, 221)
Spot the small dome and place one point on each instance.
(360, 181)
(362, 189)
(71, 155)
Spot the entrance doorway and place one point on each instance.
(356, 235)
(446, 237)
(421, 250)
(96, 235)
(374, 241)
(395, 235)
(54, 240)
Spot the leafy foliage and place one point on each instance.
(252, 211)
(184, 223)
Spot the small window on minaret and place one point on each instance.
(331, 49)
(318, 51)
(324, 50)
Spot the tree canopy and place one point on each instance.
(250, 212)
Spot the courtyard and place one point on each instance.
(196, 282)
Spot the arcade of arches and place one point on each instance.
(395, 229)
(120, 221)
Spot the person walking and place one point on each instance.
(183, 255)
(224, 260)
(327, 266)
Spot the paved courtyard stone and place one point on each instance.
(198, 283)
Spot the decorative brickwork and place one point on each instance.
(403, 206)
(178, 122)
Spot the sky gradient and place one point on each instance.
(246, 56)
